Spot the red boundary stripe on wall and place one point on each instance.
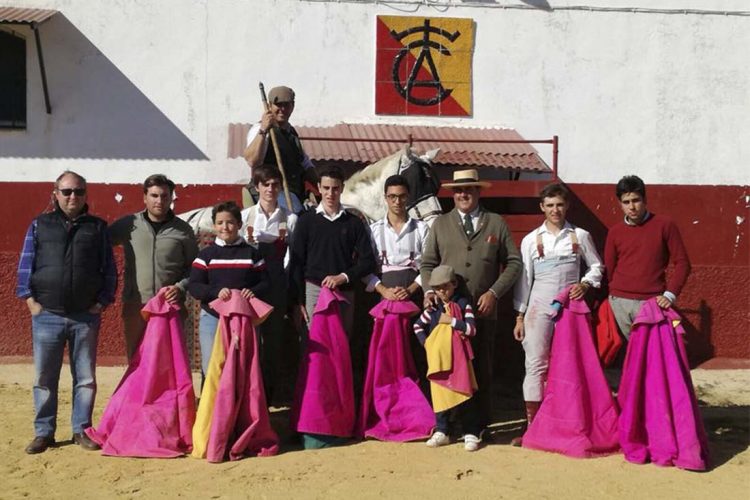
(714, 301)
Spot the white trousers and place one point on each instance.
(550, 278)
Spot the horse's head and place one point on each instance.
(424, 184)
(364, 189)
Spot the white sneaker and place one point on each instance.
(438, 439)
(471, 442)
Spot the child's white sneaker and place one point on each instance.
(471, 442)
(438, 439)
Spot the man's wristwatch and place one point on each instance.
(262, 132)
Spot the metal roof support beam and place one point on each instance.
(37, 38)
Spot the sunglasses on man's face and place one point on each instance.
(69, 191)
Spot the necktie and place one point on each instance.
(468, 226)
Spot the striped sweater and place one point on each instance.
(430, 318)
(235, 266)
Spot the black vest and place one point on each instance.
(291, 154)
(69, 262)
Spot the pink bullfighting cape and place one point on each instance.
(578, 416)
(393, 407)
(152, 411)
(233, 416)
(324, 396)
(660, 420)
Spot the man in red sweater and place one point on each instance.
(636, 256)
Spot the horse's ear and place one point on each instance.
(431, 155)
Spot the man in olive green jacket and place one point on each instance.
(478, 245)
(159, 250)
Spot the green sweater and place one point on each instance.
(489, 260)
(153, 260)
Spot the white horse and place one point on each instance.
(363, 192)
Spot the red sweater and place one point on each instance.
(636, 258)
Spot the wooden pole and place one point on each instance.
(276, 152)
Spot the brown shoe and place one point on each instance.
(85, 442)
(39, 444)
(532, 407)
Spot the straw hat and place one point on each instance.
(463, 178)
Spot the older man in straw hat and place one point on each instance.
(477, 244)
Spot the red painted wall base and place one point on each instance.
(715, 302)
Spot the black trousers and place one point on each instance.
(466, 414)
(483, 344)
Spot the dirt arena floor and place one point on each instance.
(371, 469)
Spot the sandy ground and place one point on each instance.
(371, 469)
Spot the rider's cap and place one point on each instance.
(442, 275)
(280, 94)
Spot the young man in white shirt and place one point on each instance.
(398, 241)
(552, 256)
(270, 226)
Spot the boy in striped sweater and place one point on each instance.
(229, 263)
(445, 330)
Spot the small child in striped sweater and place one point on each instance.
(444, 331)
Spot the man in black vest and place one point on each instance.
(297, 165)
(67, 276)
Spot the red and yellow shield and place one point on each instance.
(423, 66)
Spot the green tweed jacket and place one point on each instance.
(487, 260)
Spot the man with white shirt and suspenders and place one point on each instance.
(398, 241)
(269, 226)
(552, 256)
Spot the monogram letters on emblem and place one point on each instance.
(425, 54)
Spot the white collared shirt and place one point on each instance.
(221, 243)
(399, 248)
(265, 226)
(474, 218)
(559, 245)
(320, 210)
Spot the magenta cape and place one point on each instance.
(324, 396)
(578, 416)
(393, 407)
(240, 423)
(660, 418)
(152, 411)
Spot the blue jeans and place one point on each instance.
(50, 334)
(206, 334)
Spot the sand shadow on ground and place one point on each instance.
(728, 430)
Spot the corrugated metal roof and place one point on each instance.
(18, 15)
(361, 147)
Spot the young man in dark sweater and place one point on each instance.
(331, 248)
(636, 256)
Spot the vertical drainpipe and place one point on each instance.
(554, 157)
(35, 29)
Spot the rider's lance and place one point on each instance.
(276, 151)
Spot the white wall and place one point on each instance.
(140, 87)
